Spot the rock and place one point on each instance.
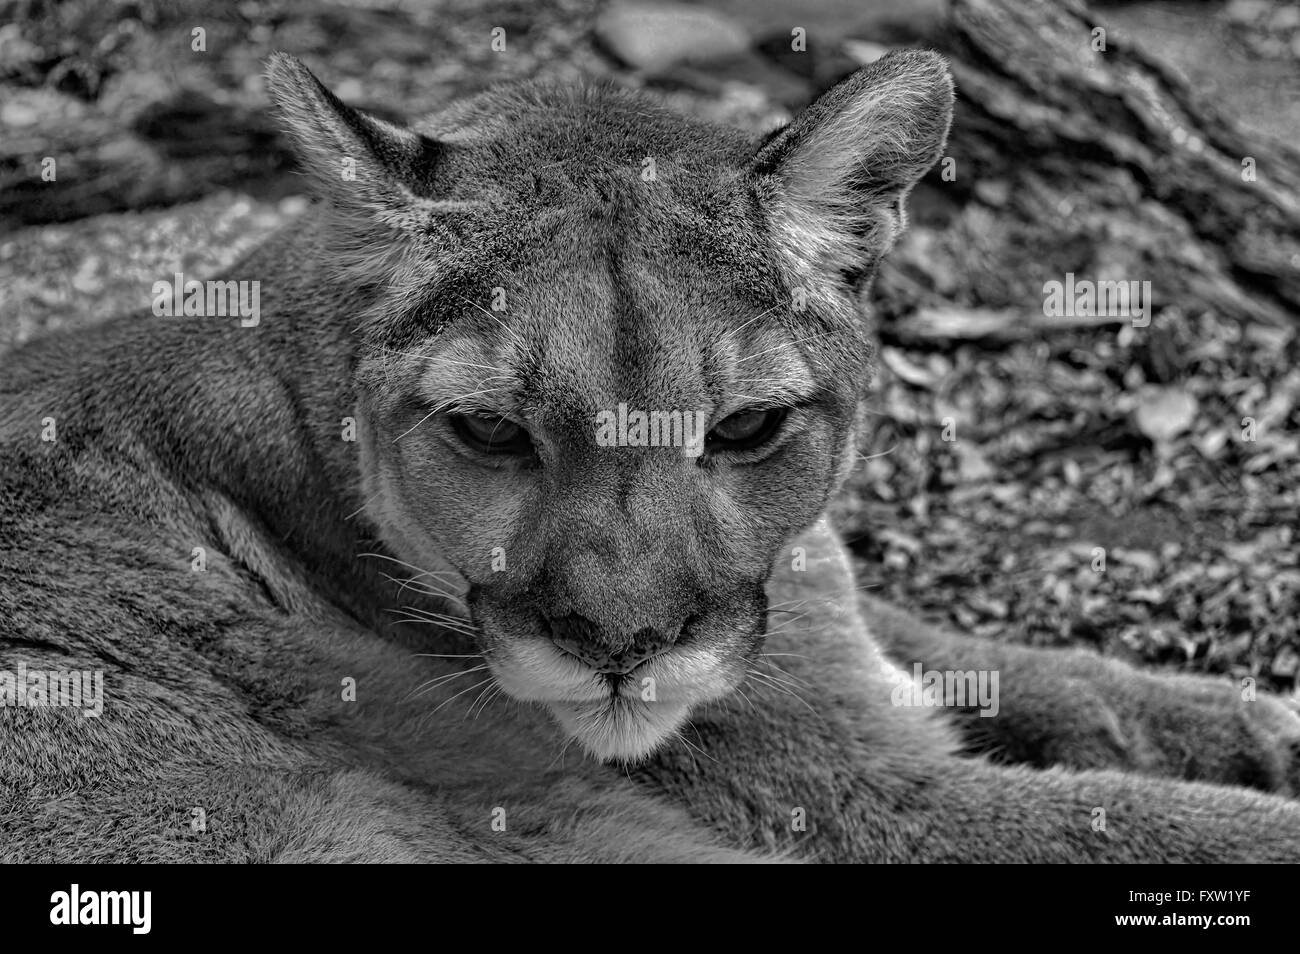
(1212, 443)
(87, 280)
(973, 467)
(1285, 18)
(1164, 413)
(994, 192)
(1286, 663)
(1247, 11)
(18, 115)
(17, 54)
(864, 53)
(827, 21)
(61, 276)
(656, 36)
(1147, 562)
(905, 369)
(350, 89)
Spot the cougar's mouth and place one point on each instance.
(622, 720)
(619, 728)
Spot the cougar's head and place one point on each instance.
(610, 361)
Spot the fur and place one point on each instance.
(201, 532)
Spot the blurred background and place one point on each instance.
(1007, 447)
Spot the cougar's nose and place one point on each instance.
(588, 641)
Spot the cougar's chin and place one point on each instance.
(624, 725)
(617, 729)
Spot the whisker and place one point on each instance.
(421, 613)
(692, 745)
(794, 688)
(510, 333)
(790, 677)
(431, 614)
(438, 681)
(760, 685)
(440, 407)
(458, 695)
(863, 458)
(477, 699)
(410, 584)
(451, 675)
(417, 614)
(739, 690)
(788, 623)
(774, 607)
(783, 345)
(443, 359)
(451, 622)
(559, 756)
(364, 505)
(494, 692)
(410, 566)
(778, 683)
(765, 680)
(440, 623)
(747, 323)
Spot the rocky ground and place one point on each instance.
(1134, 489)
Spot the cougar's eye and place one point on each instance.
(746, 429)
(491, 435)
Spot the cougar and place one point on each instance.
(499, 532)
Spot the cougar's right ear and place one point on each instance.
(358, 162)
(834, 182)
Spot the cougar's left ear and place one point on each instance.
(833, 182)
(358, 162)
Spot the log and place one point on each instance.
(1106, 164)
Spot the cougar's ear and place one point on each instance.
(358, 162)
(834, 181)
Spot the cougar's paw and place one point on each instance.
(1185, 727)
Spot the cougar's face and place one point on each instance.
(612, 360)
(612, 449)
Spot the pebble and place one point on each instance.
(1247, 11)
(18, 114)
(87, 279)
(863, 52)
(1285, 18)
(994, 192)
(655, 36)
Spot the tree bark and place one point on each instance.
(1106, 164)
